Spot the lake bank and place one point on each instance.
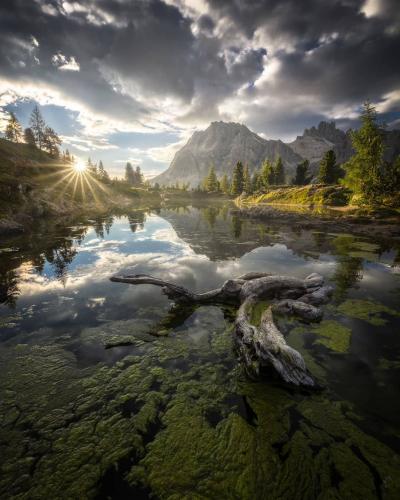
(315, 206)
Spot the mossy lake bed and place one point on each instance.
(94, 405)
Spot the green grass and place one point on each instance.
(312, 194)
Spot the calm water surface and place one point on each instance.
(94, 405)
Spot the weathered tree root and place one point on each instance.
(261, 348)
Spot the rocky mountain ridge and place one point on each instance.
(223, 144)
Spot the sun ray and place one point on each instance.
(98, 184)
(96, 199)
(75, 185)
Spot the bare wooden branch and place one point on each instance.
(263, 348)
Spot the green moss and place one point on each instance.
(333, 335)
(366, 310)
(313, 194)
(256, 312)
(366, 246)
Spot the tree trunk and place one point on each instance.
(262, 348)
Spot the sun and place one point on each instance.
(79, 166)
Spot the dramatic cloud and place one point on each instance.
(153, 66)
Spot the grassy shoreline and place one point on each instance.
(314, 199)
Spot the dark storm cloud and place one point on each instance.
(301, 20)
(206, 23)
(344, 71)
(337, 53)
(132, 55)
(123, 48)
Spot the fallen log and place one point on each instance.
(261, 348)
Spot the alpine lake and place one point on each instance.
(106, 392)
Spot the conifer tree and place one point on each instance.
(328, 170)
(302, 177)
(237, 179)
(102, 172)
(67, 157)
(38, 127)
(224, 184)
(29, 138)
(129, 174)
(51, 142)
(247, 186)
(279, 171)
(211, 181)
(13, 130)
(364, 168)
(256, 184)
(267, 174)
(138, 177)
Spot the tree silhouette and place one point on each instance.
(13, 130)
(237, 179)
(279, 170)
(302, 178)
(29, 138)
(38, 127)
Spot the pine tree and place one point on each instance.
(279, 172)
(267, 174)
(38, 127)
(363, 170)
(328, 170)
(247, 187)
(91, 167)
(256, 184)
(237, 179)
(29, 138)
(67, 157)
(211, 181)
(302, 178)
(129, 174)
(224, 184)
(13, 130)
(51, 142)
(138, 177)
(390, 183)
(102, 172)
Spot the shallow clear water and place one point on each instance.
(94, 405)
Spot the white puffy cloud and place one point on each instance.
(64, 63)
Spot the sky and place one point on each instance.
(131, 80)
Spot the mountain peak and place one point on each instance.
(222, 145)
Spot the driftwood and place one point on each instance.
(262, 348)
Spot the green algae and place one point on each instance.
(193, 431)
(366, 246)
(333, 335)
(366, 310)
(387, 364)
(296, 339)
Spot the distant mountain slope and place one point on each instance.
(222, 145)
(315, 141)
